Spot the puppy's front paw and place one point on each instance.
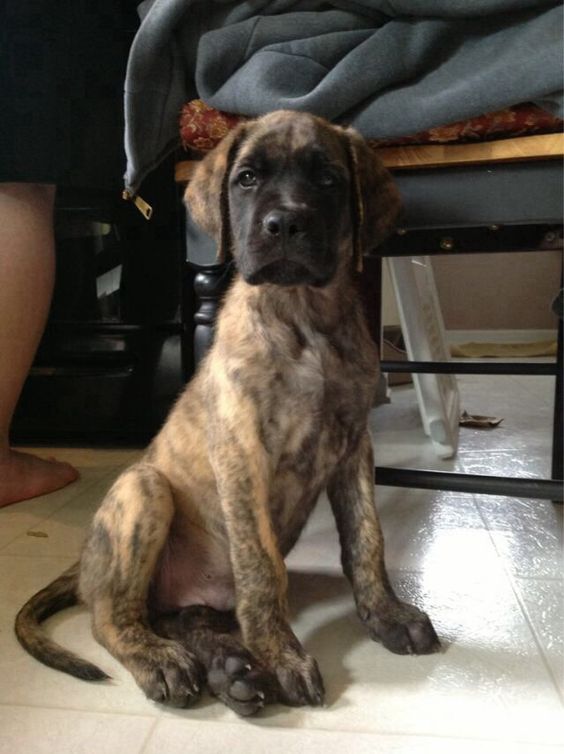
(403, 629)
(168, 674)
(300, 680)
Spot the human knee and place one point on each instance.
(37, 194)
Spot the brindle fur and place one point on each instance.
(277, 412)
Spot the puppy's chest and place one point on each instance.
(317, 406)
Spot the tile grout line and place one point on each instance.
(415, 737)
(78, 493)
(40, 520)
(78, 710)
(148, 737)
(241, 723)
(522, 607)
(19, 555)
(537, 639)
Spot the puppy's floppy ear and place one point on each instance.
(207, 193)
(375, 198)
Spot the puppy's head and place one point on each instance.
(292, 198)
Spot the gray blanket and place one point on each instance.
(387, 67)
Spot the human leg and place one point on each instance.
(27, 269)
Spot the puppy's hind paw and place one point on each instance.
(240, 682)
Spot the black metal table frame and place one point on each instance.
(482, 209)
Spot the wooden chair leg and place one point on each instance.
(210, 285)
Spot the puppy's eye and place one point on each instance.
(247, 178)
(326, 179)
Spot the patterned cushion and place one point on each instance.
(202, 127)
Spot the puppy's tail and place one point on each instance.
(61, 593)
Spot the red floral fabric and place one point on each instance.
(202, 127)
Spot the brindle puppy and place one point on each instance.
(277, 412)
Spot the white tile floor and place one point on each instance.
(488, 570)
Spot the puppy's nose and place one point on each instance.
(283, 223)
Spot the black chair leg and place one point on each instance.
(557, 449)
(210, 285)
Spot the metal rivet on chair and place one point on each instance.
(447, 243)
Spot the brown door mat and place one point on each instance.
(504, 350)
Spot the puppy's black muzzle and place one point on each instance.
(284, 224)
(288, 248)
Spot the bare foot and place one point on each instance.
(23, 476)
